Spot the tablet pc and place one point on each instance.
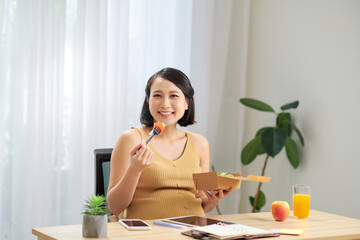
(193, 220)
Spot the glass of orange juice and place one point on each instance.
(301, 200)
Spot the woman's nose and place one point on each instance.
(166, 102)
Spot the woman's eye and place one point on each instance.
(156, 95)
(174, 96)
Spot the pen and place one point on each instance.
(168, 225)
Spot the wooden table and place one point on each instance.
(319, 225)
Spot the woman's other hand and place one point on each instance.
(212, 198)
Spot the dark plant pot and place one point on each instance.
(94, 226)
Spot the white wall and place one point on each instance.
(308, 51)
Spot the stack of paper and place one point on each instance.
(225, 231)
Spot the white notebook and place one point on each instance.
(223, 231)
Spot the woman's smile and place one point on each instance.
(165, 113)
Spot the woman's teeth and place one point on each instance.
(165, 113)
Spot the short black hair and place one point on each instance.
(178, 78)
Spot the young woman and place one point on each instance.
(156, 181)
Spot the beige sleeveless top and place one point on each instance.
(166, 188)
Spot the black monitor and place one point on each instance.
(101, 155)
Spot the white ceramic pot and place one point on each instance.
(94, 226)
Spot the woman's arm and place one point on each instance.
(209, 198)
(127, 164)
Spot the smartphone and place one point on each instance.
(134, 224)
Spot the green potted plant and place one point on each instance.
(95, 217)
(270, 140)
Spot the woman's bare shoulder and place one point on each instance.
(200, 141)
(129, 138)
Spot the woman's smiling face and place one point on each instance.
(167, 102)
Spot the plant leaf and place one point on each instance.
(273, 140)
(259, 133)
(251, 198)
(251, 150)
(292, 152)
(95, 205)
(299, 135)
(283, 121)
(294, 104)
(261, 201)
(256, 104)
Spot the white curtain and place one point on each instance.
(72, 78)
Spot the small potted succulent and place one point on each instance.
(95, 217)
